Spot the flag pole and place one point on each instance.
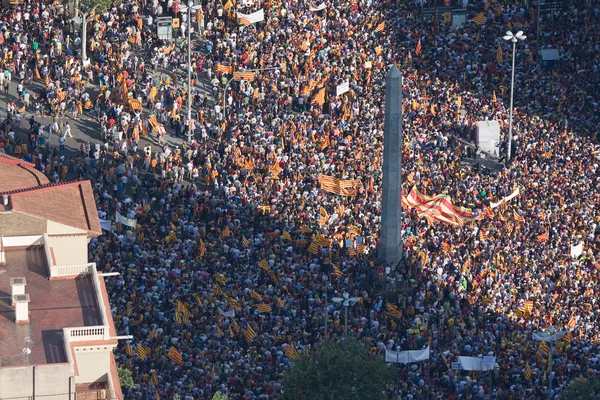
(326, 310)
(398, 375)
(428, 377)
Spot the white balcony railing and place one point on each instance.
(88, 333)
(70, 270)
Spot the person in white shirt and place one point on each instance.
(67, 132)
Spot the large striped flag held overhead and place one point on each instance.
(142, 351)
(439, 208)
(319, 98)
(339, 186)
(418, 48)
(544, 349)
(528, 372)
(175, 355)
(247, 76)
(249, 333)
(479, 19)
(290, 352)
(224, 69)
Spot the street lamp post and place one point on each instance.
(514, 39)
(550, 335)
(347, 302)
(189, 8)
(229, 81)
(326, 308)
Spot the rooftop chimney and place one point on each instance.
(17, 287)
(21, 308)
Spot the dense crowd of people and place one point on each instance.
(237, 247)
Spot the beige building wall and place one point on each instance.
(93, 363)
(51, 382)
(69, 250)
(54, 228)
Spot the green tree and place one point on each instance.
(126, 378)
(87, 9)
(337, 371)
(581, 389)
(219, 396)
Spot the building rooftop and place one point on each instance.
(71, 204)
(54, 305)
(16, 174)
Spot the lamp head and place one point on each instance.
(520, 35)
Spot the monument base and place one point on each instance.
(390, 254)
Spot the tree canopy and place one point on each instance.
(337, 371)
(581, 389)
(98, 5)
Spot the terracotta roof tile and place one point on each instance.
(70, 204)
(16, 174)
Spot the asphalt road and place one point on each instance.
(84, 128)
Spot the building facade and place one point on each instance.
(56, 332)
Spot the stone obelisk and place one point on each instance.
(390, 247)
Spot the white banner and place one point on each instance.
(342, 88)
(507, 198)
(253, 18)
(230, 313)
(320, 7)
(476, 363)
(106, 225)
(132, 223)
(406, 357)
(576, 251)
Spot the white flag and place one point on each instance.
(577, 250)
(253, 18)
(476, 364)
(320, 7)
(507, 198)
(230, 313)
(130, 222)
(406, 357)
(342, 88)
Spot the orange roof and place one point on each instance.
(71, 204)
(16, 174)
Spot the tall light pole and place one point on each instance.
(514, 39)
(326, 309)
(190, 7)
(551, 336)
(347, 302)
(229, 81)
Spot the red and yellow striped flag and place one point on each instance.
(224, 69)
(175, 355)
(290, 352)
(264, 264)
(319, 98)
(337, 271)
(380, 27)
(247, 76)
(543, 237)
(479, 19)
(249, 333)
(263, 308)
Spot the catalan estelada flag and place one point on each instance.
(479, 19)
(175, 355)
(249, 333)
